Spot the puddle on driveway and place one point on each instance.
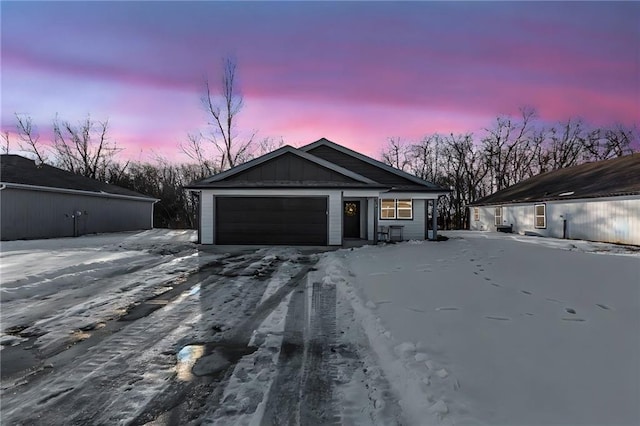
(187, 357)
(209, 359)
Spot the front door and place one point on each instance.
(351, 219)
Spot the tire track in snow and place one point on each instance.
(134, 365)
(302, 392)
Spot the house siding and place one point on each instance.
(207, 222)
(613, 219)
(413, 229)
(361, 167)
(32, 214)
(371, 212)
(334, 208)
(289, 167)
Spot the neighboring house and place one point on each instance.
(320, 194)
(594, 201)
(41, 201)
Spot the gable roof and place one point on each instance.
(367, 166)
(278, 152)
(615, 177)
(18, 171)
(290, 167)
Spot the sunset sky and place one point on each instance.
(356, 73)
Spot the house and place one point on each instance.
(597, 201)
(41, 201)
(320, 194)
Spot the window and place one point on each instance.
(387, 209)
(476, 214)
(498, 216)
(540, 215)
(396, 209)
(404, 208)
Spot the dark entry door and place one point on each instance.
(351, 221)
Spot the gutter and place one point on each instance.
(554, 198)
(5, 185)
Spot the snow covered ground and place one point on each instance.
(485, 328)
(498, 329)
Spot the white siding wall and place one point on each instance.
(207, 219)
(335, 218)
(371, 212)
(413, 229)
(613, 219)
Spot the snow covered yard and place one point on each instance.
(498, 329)
(144, 328)
(130, 328)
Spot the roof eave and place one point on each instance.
(553, 198)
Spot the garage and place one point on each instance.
(271, 220)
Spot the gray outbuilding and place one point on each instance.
(41, 201)
(597, 201)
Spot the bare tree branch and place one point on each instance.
(30, 137)
(222, 109)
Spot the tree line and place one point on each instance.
(511, 150)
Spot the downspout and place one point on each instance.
(199, 216)
(434, 219)
(153, 208)
(375, 220)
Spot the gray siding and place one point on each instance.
(613, 219)
(413, 229)
(290, 168)
(358, 166)
(28, 214)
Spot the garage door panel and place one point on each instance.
(271, 220)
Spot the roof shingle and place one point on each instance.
(615, 177)
(21, 170)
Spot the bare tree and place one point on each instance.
(566, 146)
(602, 144)
(84, 149)
(222, 108)
(6, 142)
(426, 156)
(507, 148)
(397, 154)
(30, 137)
(195, 150)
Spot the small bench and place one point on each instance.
(396, 233)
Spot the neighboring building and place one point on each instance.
(41, 201)
(320, 194)
(594, 201)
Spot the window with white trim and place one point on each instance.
(540, 215)
(476, 213)
(404, 209)
(498, 215)
(387, 209)
(392, 208)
